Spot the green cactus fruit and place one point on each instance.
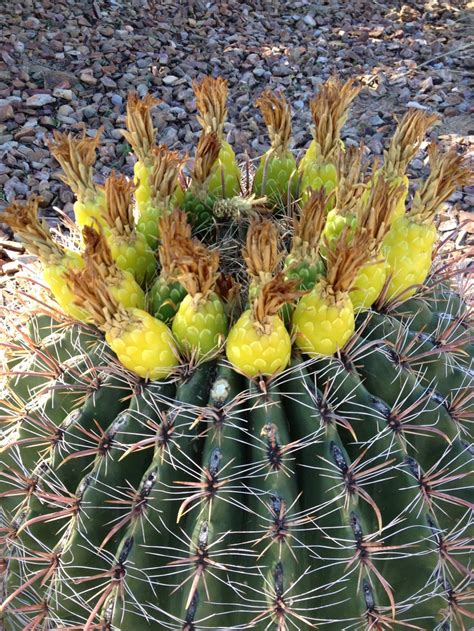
(307, 272)
(199, 210)
(223, 171)
(224, 181)
(276, 176)
(165, 298)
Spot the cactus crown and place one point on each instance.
(140, 133)
(118, 213)
(449, 170)
(211, 102)
(406, 141)
(77, 157)
(329, 109)
(276, 113)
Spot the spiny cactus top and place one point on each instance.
(249, 404)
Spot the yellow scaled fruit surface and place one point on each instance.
(226, 164)
(399, 209)
(368, 284)
(143, 189)
(200, 326)
(148, 213)
(128, 292)
(53, 276)
(335, 224)
(316, 177)
(322, 327)
(89, 212)
(133, 256)
(145, 346)
(310, 155)
(408, 249)
(254, 353)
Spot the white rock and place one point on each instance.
(416, 105)
(170, 79)
(63, 93)
(39, 100)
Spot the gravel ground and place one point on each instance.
(69, 64)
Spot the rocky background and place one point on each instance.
(69, 64)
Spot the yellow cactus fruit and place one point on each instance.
(163, 183)
(304, 262)
(122, 285)
(375, 213)
(144, 345)
(261, 254)
(403, 147)
(200, 324)
(198, 201)
(77, 157)
(276, 176)
(166, 293)
(409, 244)
(55, 259)
(329, 109)
(258, 343)
(211, 102)
(352, 183)
(140, 135)
(323, 320)
(129, 248)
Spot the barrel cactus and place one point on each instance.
(223, 414)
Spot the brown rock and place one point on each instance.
(6, 111)
(88, 78)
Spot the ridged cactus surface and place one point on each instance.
(242, 407)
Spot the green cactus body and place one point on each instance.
(87, 543)
(155, 522)
(281, 516)
(164, 298)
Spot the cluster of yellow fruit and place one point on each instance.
(352, 240)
